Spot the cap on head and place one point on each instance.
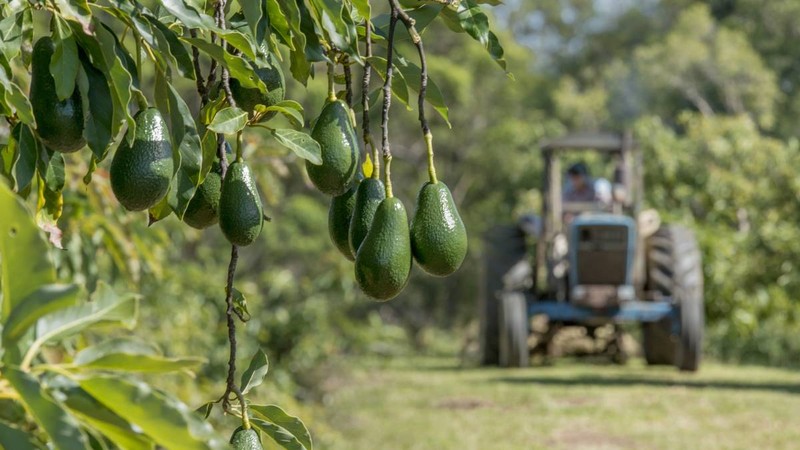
(577, 169)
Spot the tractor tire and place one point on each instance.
(674, 269)
(514, 330)
(505, 249)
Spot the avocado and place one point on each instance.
(369, 195)
(141, 173)
(337, 140)
(246, 439)
(248, 98)
(339, 216)
(201, 212)
(383, 262)
(438, 236)
(240, 214)
(59, 122)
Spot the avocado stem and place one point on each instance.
(239, 147)
(245, 418)
(376, 159)
(388, 164)
(331, 88)
(431, 168)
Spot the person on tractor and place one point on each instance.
(580, 187)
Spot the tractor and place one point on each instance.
(592, 265)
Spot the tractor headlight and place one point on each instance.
(626, 293)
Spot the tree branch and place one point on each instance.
(387, 100)
(201, 87)
(409, 22)
(348, 80)
(376, 171)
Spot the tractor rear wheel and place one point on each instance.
(506, 251)
(514, 330)
(674, 269)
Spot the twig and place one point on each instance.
(348, 80)
(201, 87)
(376, 171)
(409, 22)
(387, 101)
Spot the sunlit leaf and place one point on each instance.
(300, 143)
(274, 414)
(228, 120)
(175, 425)
(255, 372)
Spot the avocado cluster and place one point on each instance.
(372, 228)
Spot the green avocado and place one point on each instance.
(248, 98)
(202, 209)
(58, 122)
(141, 173)
(438, 236)
(240, 214)
(243, 439)
(383, 262)
(369, 195)
(337, 140)
(339, 216)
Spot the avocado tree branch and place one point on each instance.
(231, 389)
(376, 161)
(348, 80)
(201, 86)
(409, 22)
(387, 100)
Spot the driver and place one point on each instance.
(580, 187)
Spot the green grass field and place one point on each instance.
(432, 403)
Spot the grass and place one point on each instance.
(431, 403)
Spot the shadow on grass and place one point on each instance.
(637, 380)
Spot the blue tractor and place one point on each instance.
(595, 265)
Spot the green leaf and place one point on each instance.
(423, 16)
(183, 60)
(12, 438)
(130, 356)
(229, 120)
(175, 426)
(399, 87)
(205, 410)
(238, 67)
(96, 416)
(20, 240)
(190, 16)
(294, 116)
(77, 10)
(125, 362)
(280, 435)
(300, 143)
(252, 13)
(60, 426)
(99, 124)
(105, 306)
(45, 300)
(256, 371)
(274, 414)
(240, 305)
(279, 23)
(64, 63)
(24, 148)
(433, 94)
(470, 17)
(109, 58)
(13, 96)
